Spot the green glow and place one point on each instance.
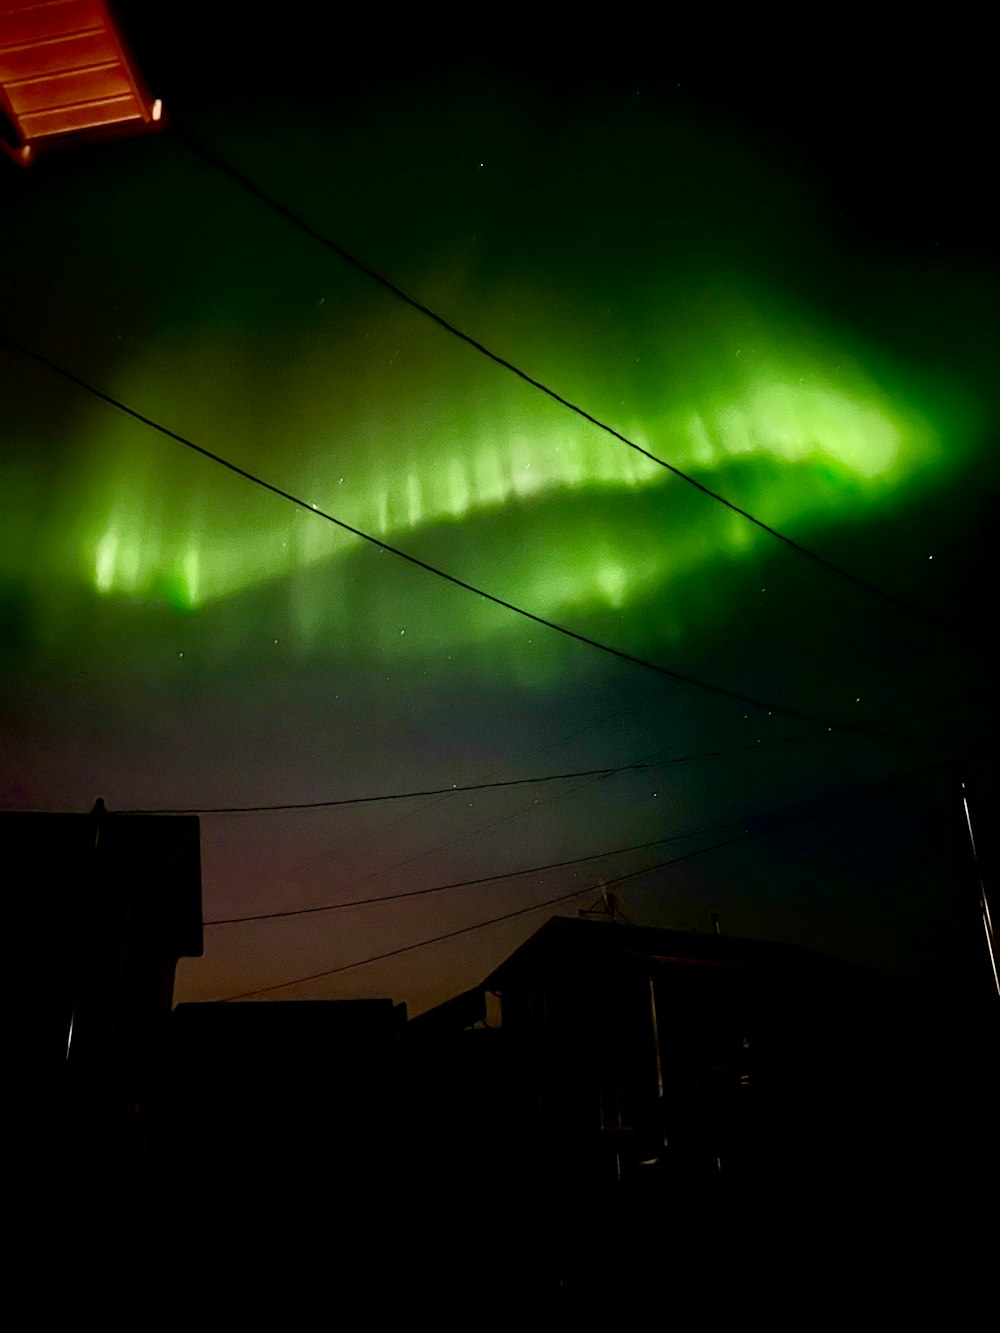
(107, 561)
(145, 520)
(797, 423)
(612, 579)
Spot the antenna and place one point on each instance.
(606, 908)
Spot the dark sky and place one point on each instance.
(774, 274)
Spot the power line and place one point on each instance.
(591, 888)
(446, 791)
(468, 833)
(457, 789)
(510, 874)
(465, 930)
(533, 808)
(550, 745)
(469, 883)
(454, 789)
(651, 762)
(654, 762)
(196, 147)
(407, 948)
(568, 633)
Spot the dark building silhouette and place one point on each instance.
(275, 1089)
(643, 1102)
(105, 905)
(284, 1131)
(719, 1119)
(654, 1050)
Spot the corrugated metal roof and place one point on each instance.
(65, 70)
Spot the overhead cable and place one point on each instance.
(833, 803)
(382, 545)
(802, 809)
(194, 145)
(456, 789)
(406, 948)
(512, 874)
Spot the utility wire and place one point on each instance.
(487, 828)
(457, 789)
(568, 633)
(577, 893)
(196, 147)
(654, 761)
(529, 870)
(407, 948)
(536, 804)
(413, 813)
(458, 884)
(646, 764)
(472, 832)
(454, 789)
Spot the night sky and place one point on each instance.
(778, 278)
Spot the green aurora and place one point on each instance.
(140, 519)
(769, 282)
(685, 332)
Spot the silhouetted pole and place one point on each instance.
(984, 906)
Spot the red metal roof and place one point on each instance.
(65, 70)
